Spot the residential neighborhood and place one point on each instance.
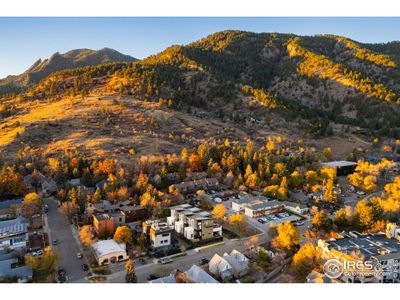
(214, 233)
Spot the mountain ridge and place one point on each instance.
(230, 84)
(324, 77)
(75, 58)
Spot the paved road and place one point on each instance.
(68, 247)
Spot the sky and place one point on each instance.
(24, 40)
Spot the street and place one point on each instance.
(68, 246)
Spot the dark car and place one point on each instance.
(61, 279)
(152, 277)
(62, 275)
(204, 261)
(85, 267)
(61, 271)
(261, 221)
(55, 242)
(142, 261)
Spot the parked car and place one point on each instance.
(261, 221)
(204, 261)
(85, 268)
(152, 277)
(142, 261)
(54, 242)
(299, 223)
(166, 260)
(61, 272)
(46, 208)
(79, 255)
(39, 252)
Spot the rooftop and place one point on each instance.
(368, 245)
(198, 275)
(131, 208)
(195, 275)
(13, 227)
(108, 246)
(339, 163)
(181, 207)
(160, 227)
(250, 198)
(102, 217)
(264, 205)
(293, 204)
(9, 203)
(21, 272)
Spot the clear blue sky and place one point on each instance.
(24, 40)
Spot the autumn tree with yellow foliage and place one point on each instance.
(219, 212)
(305, 260)
(238, 224)
(123, 234)
(329, 192)
(86, 235)
(287, 239)
(43, 266)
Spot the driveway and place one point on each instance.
(59, 228)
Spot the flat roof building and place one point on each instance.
(109, 251)
(342, 167)
(378, 248)
(263, 208)
(159, 233)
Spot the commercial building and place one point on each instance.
(239, 204)
(377, 249)
(14, 234)
(109, 251)
(262, 209)
(259, 206)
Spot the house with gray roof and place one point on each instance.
(10, 268)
